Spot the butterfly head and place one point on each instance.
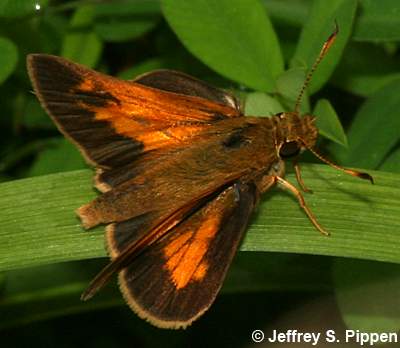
(296, 134)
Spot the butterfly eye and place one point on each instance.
(289, 149)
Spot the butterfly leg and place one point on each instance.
(266, 183)
(299, 178)
(287, 185)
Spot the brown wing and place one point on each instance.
(147, 207)
(234, 149)
(116, 123)
(176, 279)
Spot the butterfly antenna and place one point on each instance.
(352, 172)
(324, 50)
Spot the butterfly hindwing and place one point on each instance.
(176, 279)
(178, 82)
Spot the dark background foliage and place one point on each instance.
(260, 50)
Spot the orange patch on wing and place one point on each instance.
(156, 105)
(201, 271)
(185, 258)
(177, 244)
(174, 261)
(157, 132)
(86, 85)
(153, 117)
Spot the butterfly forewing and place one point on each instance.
(116, 123)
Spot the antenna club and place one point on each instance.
(366, 176)
(352, 172)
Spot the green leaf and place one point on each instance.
(125, 20)
(392, 162)
(261, 104)
(20, 8)
(358, 72)
(295, 13)
(33, 116)
(378, 21)
(2, 282)
(365, 85)
(288, 13)
(16, 155)
(320, 25)
(368, 294)
(38, 224)
(328, 122)
(8, 58)
(288, 87)
(126, 8)
(82, 44)
(59, 156)
(47, 216)
(233, 37)
(51, 30)
(374, 130)
(116, 31)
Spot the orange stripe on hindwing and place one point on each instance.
(185, 254)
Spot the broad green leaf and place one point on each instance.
(38, 224)
(125, 20)
(374, 130)
(8, 58)
(21, 8)
(358, 72)
(328, 122)
(317, 29)
(378, 21)
(233, 37)
(54, 290)
(392, 162)
(261, 104)
(82, 44)
(368, 294)
(60, 156)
